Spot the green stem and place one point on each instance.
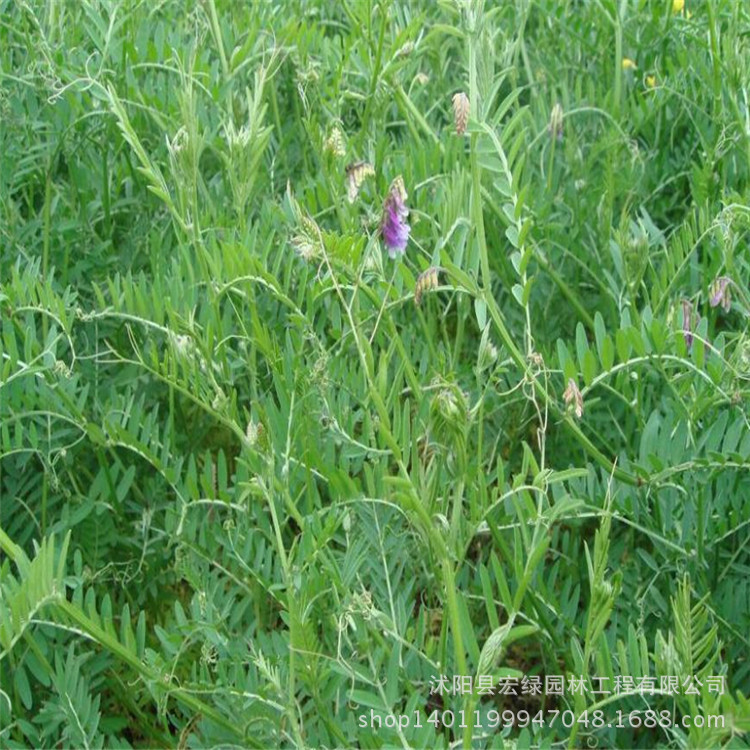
(541, 259)
(46, 238)
(458, 501)
(551, 165)
(407, 104)
(90, 628)
(216, 31)
(715, 54)
(52, 21)
(375, 72)
(478, 221)
(462, 310)
(494, 310)
(618, 65)
(565, 290)
(411, 499)
(452, 602)
(522, 44)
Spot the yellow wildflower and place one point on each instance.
(628, 64)
(677, 5)
(651, 81)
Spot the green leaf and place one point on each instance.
(589, 367)
(493, 649)
(622, 341)
(527, 291)
(370, 700)
(489, 602)
(480, 309)
(582, 344)
(607, 354)
(21, 683)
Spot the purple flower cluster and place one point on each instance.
(394, 228)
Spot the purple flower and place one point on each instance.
(720, 293)
(687, 329)
(394, 228)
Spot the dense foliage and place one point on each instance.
(259, 478)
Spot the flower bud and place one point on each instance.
(555, 127)
(721, 293)
(425, 281)
(334, 144)
(572, 395)
(460, 112)
(356, 173)
(393, 226)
